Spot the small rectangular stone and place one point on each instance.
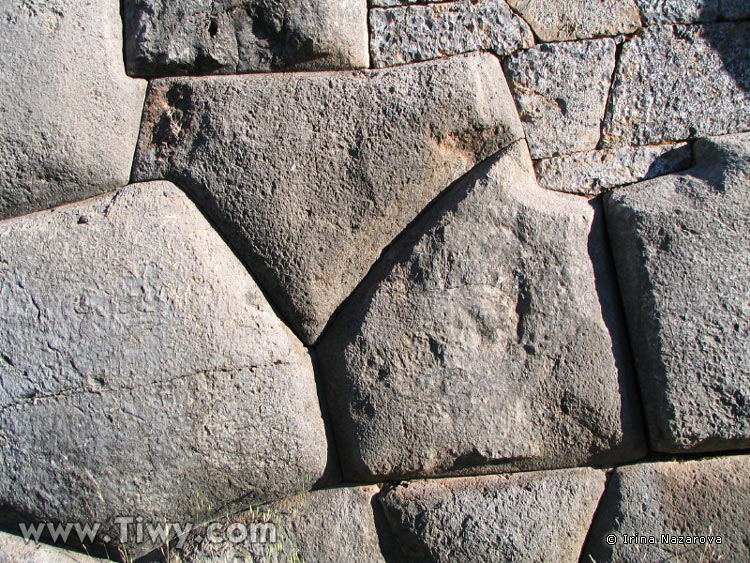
(421, 32)
(561, 93)
(189, 37)
(594, 172)
(678, 82)
(563, 20)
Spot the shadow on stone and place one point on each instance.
(732, 42)
(613, 314)
(389, 546)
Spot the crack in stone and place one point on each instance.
(71, 392)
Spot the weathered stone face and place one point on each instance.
(330, 526)
(143, 372)
(530, 517)
(657, 12)
(14, 549)
(165, 38)
(481, 341)
(682, 248)
(70, 115)
(680, 82)
(421, 32)
(669, 500)
(311, 175)
(594, 172)
(563, 20)
(561, 92)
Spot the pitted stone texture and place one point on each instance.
(528, 517)
(14, 549)
(561, 91)
(692, 11)
(143, 372)
(563, 20)
(682, 246)
(311, 175)
(70, 114)
(594, 172)
(656, 12)
(680, 82)
(328, 526)
(418, 33)
(688, 499)
(479, 341)
(165, 38)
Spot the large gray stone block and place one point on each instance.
(421, 32)
(561, 92)
(142, 371)
(525, 517)
(328, 526)
(682, 248)
(165, 38)
(311, 175)
(70, 114)
(487, 338)
(564, 20)
(679, 82)
(686, 507)
(594, 172)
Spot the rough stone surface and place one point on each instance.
(327, 526)
(417, 33)
(562, 20)
(561, 91)
(679, 82)
(594, 172)
(735, 9)
(687, 499)
(14, 549)
(393, 3)
(682, 247)
(165, 38)
(311, 175)
(142, 370)
(656, 12)
(70, 115)
(528, 517)
(481, 341)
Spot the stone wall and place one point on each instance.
(406, 281)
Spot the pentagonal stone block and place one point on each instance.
(487, 337)
(311, 175)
